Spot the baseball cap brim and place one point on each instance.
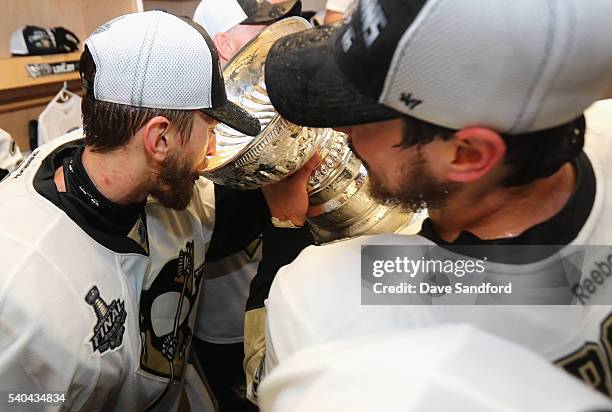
(235, 117)
(269, 12)
(306, 86)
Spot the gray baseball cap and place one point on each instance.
(513, 66)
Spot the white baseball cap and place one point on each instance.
(513, 66)
(158, 60)
(217, 16)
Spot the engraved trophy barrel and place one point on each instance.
(337, 189)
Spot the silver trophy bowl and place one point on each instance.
(337, 189)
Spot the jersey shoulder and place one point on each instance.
(336, 263)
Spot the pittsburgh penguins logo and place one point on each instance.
(109, 329)
(165, 309)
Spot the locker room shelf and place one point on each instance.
(18, 89)
(22, 98)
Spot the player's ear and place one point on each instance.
(155, 138)
(224, 45)
(476, 151)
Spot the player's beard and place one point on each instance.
(175, 181)
(417, 190)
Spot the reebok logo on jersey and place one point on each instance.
(593, 280)
(108, 331)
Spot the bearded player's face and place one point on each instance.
(180, 170)
(396, 174)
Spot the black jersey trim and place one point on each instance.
(559, 230)
(107, 230)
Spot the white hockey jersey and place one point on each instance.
(220, 317)
(62, 115)
(318, 298)
(110, 329)
(454, 368)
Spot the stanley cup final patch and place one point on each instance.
(109, 328)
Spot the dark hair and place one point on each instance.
(530, 156)
(108, 126)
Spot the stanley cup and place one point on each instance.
(337, 189)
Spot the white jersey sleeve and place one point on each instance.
(443, 368)
(42, 346)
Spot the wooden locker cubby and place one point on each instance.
(22, 98)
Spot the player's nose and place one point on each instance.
(212, 145)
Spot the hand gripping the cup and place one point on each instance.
(288, 199)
